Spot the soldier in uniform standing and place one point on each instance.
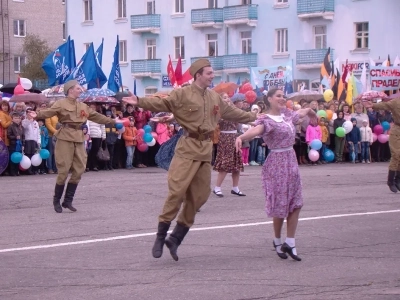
(70, 153)
(197, 109)
(394, 141)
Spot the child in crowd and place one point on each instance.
(44, 142)
(32, 138)
(313, 133)
(245, 147)
(130, 136)
(366, 140)
(88, 141)
(16, 137)
(324, 138)
(111, 138)
(353, 139)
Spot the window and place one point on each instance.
(63, 1)
(121, 9)
(212, 3)
(281, 40)
(19, 62)
(122, 52)
(281, 1)
(245, 2)
(316, 85)
(246, 41)
(86, 46)
(64, 31)
(179, 47)
(320, 37)
(212, 40)
(179, 7)
(362, 35)
(19, 28)
(151, 7)
(88, 8)
(149, 91)
(151, 49)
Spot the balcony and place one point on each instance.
(239, 63)
(217, 62)
(208, 17)
(145, 23)
(316, 9)
(241, 14)
(311, 59)
(146, 68)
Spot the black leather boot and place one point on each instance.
(69, 196)
(397, 180)
(160, 239)
(391, 182)
(175, 239)
(58, 192)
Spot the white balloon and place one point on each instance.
(348, 126)
(36, 160)
(25, 162)
(26, 83)
(122, 130)
(152, 143)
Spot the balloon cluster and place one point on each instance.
(25, 163)
(313, 154)
(146, 139)
(380, 132)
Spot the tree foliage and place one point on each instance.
(35, 50)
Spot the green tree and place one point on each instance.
(35, 50)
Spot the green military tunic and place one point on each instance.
(70, 153)
(198, 111)
(394, 138)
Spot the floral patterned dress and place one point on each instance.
(228, 159)
(280, 173)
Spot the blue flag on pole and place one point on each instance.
(59, 64)
(85, 71)
(101, 77)
(115, 78)
(134, 87)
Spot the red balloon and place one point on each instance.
(140, 132)
(246, 88)
(142, 147)
(378, 129)
(19, 90)
(155, 135)
(251, 96)
(125, 122)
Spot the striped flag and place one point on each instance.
(326, 68)
(341, 92)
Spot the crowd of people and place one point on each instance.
(18, 130)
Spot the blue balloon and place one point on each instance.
(44, 154)
(147, 137)
(328, 155)
(119, 126)
(16, 157)
(147, 128)
(385, 125)
(316, 144)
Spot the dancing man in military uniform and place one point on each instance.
(197, 109)
(70, 153)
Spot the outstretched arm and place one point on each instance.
(248, 135)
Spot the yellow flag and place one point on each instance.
(349, 97)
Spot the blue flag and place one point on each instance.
(115, 78)
(101, 77)
(85, 71)
(59, 64)
(134, 87)
(258, 92)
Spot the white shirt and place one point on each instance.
(31, 130)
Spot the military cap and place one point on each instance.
(198, 64)
(69, 84)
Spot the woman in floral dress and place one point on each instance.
(280, 173)
(228, 160)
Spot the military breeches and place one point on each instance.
(189, 183)
(72, 157)
(394, 145)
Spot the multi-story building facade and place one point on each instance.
(234, 34)
(18, 18)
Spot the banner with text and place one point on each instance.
(280, 76)
(384, 78)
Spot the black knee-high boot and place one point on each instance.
(397, 180)
(175, 239)
(58, 192)
(160, 239)
(69, 196)
(391, 181)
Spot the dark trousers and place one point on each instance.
(253, 149)
(14, 169)
(109, 164)
(92, 161)
(365, 150)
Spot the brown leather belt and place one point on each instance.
(198, 136)
(72, 125)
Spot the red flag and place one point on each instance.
(185, 77)
(178, 70)
(170, 71)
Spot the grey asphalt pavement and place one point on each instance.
(348, 238)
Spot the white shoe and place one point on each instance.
(368, 162)
(363, 161)
(253, 163)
